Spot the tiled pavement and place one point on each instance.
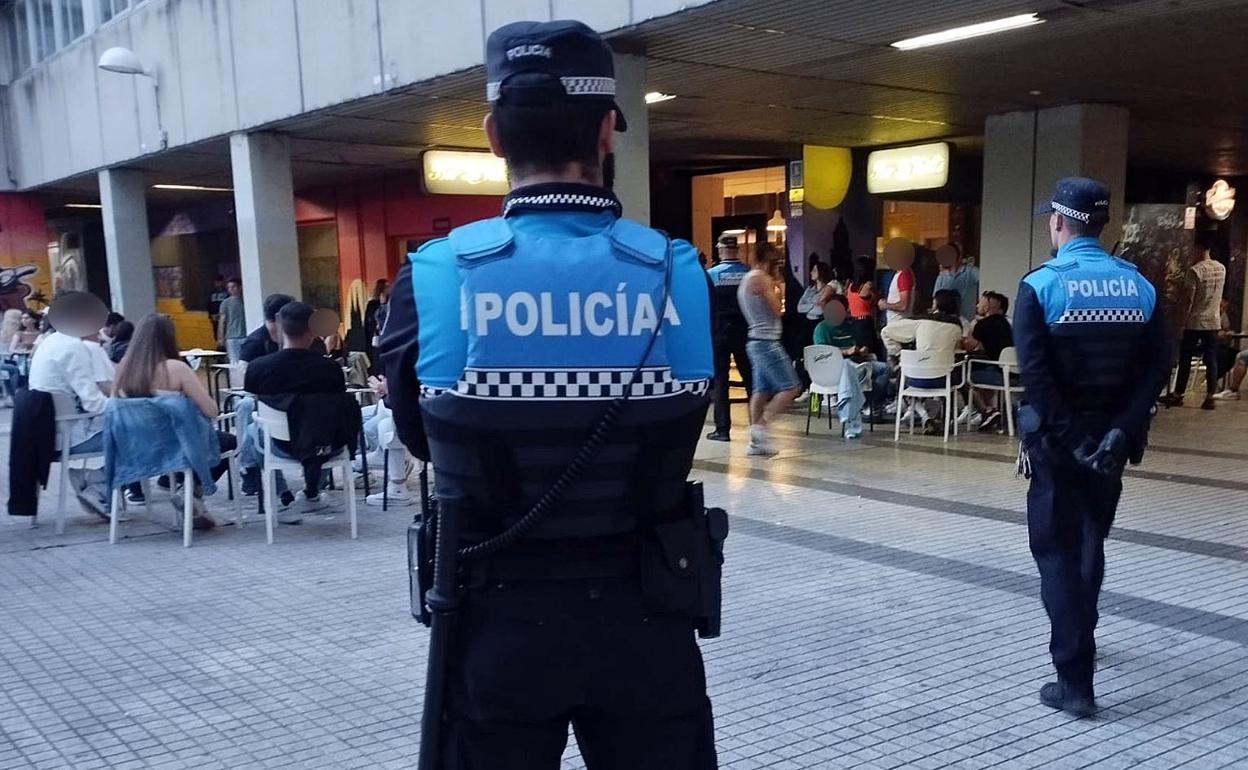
(881, 612)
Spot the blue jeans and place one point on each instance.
(773, 369)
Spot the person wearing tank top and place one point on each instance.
(776, 383)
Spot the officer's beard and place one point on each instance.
(608, 171)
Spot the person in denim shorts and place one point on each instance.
(776, 383)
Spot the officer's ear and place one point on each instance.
(606, 134)
(491, 134)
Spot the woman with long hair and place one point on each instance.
(23, 340)
(861, 295)
(152, 367)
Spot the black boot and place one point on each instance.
(718, 435)
(1076, 701)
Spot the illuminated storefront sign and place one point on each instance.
(1220, 200)
(448, 172)
(921, 167)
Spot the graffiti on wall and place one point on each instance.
(15, 291)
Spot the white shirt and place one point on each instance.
(928, 335)
(64, 364)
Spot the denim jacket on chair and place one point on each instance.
(146, 437)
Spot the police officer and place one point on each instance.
(729, 332)
(1091, 352)
(520, 332)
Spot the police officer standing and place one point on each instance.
(1091, 352)
(534, 340)
(729, 332)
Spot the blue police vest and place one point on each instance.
(1096, 308)
(550, 330)
(726, 278)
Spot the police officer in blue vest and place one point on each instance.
(1091, 352)
(730, 332)
(562, 356)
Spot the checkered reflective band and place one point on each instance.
(573, 384)
(1067, 211)
(588, 86)
(564, 201)
(1102, 315)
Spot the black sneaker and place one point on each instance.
(251, 482)
(1060, 695)
(718, 435)
(1209, 404)
(991, 422)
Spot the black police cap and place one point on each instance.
(535, 62)
(1078, 197)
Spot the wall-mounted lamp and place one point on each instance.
(123, 61)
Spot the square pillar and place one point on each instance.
(632, 147)
(1025, 153)
(127, 242)
(264, 208)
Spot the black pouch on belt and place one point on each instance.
(670, 567)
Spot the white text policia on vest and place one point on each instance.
(598, 313)
(1112, 287)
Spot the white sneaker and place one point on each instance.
(760, 443)
(965, 414)
(1227, 395)
(977, 419)
(309, 505)
(398, 495)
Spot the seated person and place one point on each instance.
(989, 336)
(64, 363)
(152, 367)
(23, 340)
(940, 331)
(1236, 378)
(296, 370)
(266, 338)
(379, 431)
(122, 334)
(836, 329)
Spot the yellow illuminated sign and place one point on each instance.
(920, 167)
(450, 172)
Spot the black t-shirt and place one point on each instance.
(995, 334)
(293, 371)
(257, 344)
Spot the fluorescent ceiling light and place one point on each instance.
(969, 31)
(83, 206)
(735, 231)
(654, 97)
(191, 187)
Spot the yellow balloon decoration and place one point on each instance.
(827, 171)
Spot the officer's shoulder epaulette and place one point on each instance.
(1126, 264)
(638, 241)
(480, 239)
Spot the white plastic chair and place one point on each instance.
(917, 364)
(1008, 363)
(228, 422)
(824, 364)
(277, 428)
(66, 409)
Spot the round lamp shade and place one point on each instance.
(121, 60)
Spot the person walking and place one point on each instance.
(1201, 314)
(729, 333)
(231, 320)
(584, 343)
(1092, 357)
(776, 383)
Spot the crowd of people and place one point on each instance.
(295, 356)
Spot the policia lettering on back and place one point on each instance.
(563, 359)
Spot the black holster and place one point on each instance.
(682, 563)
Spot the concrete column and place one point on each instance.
(1025, 153)
(264, 208)
(632, 147)
(127, 242)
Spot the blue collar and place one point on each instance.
(1083, 247)
(561, 196)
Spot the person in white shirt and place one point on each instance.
(65, 363)
(940, 331)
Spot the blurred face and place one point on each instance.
(29, 322)
(234, 288)
(834, 313)
(947, 256)
(982, 307)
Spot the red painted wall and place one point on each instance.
(23, 244)
(375, 218)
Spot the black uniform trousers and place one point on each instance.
(1070, 510)
(731, 342)
(536, 656)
